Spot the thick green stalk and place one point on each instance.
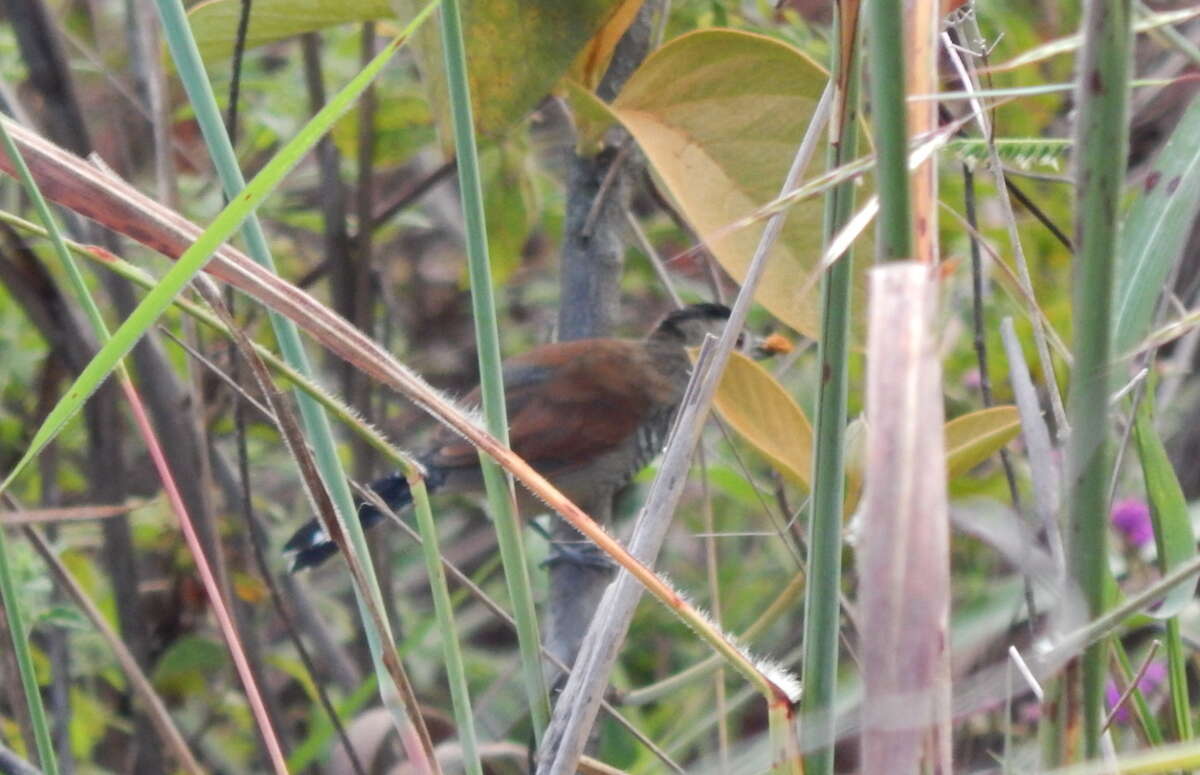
(315, 422)
(1102, 142)
(885, 34)
(499, 486)
(822, 601)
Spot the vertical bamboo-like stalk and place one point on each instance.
(822, 600)
(903, 559)
(885, 60)
(499, 488)
(921, 31)
(1101, 137)
(903, 556)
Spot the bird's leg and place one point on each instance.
(582, 553)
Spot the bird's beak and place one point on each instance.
(767, 346)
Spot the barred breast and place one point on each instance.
(651, 436)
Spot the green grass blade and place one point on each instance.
(1137, 700)
(508, 528)
(1173, 533)
(1176, 545)
(456, 673)
(33, 696)
(1156, 230)
(1177, 659)
(54, 234)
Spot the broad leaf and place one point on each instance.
(189, 664)
(973, 438)
(592, 116)
(720, 115)
(969, 439)
(762, 412)
(592, 62)
(214, 23)
(516, 51)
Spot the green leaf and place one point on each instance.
(593, 60)
(969, 439)
(509, 203)
(592, 116)
(214, 23)
(1156, 229)
(90, 719)
(720, 115)
(1168, 509)
(63, 616)
(974, 437)
(188, 663)
(402, 127)
(320, 732)
(516, 51)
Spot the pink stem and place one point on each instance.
(206, 576)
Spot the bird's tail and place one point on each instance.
(310, 545)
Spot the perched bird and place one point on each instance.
(587, 414)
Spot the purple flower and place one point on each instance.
(1131, 518)
(1154, 677)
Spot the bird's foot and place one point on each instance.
(580, 554)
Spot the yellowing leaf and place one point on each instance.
(856, 457)
(970, 440)
(973, 438)
(516, 51)
(719, 115)
(249, 588)
(592, 62)
(764, 414)
(214, 23)
(761, 411)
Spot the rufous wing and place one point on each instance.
(569, 402)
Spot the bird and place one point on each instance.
(587, 414)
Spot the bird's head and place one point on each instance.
(688, 326)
